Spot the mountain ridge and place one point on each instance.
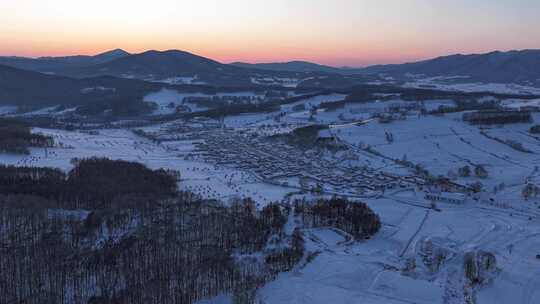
(57, 64)
(516, 66)
(29, 88)
(291, 66)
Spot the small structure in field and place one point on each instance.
(446, 197)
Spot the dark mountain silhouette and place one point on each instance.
(499, 67)
(161, 65)
(521, 67)
(110, 55)
(171, 63)
(28, 88)
(58, 64)
(292, 66)
(157, 65)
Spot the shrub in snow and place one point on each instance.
(465, 171)
(480, 172)
(479, 266)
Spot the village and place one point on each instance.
(428, 175)
(274, 162)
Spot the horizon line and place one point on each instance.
(278, 61)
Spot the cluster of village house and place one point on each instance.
(275, 162)
(279, 163)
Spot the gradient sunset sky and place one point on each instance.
(335, 32)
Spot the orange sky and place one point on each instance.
(335, 32)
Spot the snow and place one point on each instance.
(502, 88)
(197, 176)
(4, 110)
(181, 80)
(499, 221)
(164, 97)
(42, 111)
(277, 81)
(97, 89)
(518, 103)
(407, 289)
(221, 299)
(368, 272)
(313, 101)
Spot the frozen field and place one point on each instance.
(371, 272)
(504, 88)
(444, 144)
(199, 177)
(165, 98)
(436, 241)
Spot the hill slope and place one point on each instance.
(522, 67)
(292, 66)
(158, 66)
(172, 66)
(499, 67)
(58, 64)
(28, 88)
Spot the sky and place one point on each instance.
(333, 32)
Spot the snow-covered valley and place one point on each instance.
(369, 153)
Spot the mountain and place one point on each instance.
(150, 64)
(110, 56)
(56, 65)
(521, 67)
(28, 88)
(174, 64)
(292, 66)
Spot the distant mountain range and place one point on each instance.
(55, 65)
(521, 67)
(150, 66)
(156, 65)
(293, 66)
(34, 89)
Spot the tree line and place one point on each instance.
(355, 218)
(93, 183)
(105, 233)
(16, 137)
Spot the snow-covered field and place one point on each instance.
(7, 110)
(372, 271)
(199, 177)
(502, 88)
(519, 103)
(181, 80)
(500, 222)
(419, 255)
(167, 100)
